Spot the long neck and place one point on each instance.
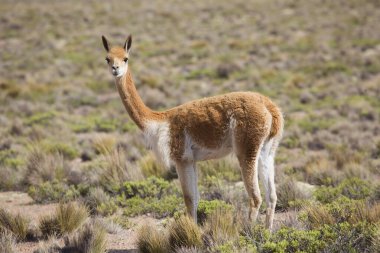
(136, 108)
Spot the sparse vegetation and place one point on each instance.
(66, 219)
(150, 240)
(66, 137)
(89, 239)
(183, 232)
(7, 242)
(15, 224)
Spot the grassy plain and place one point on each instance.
(65, 136)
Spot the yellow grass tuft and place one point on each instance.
(66, 219)
(183, 232)
(91, 238)
(16, 224)
(152, 240)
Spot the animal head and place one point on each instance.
(117, 57)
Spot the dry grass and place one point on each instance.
(318, 216)
(365, 212)
(104, 144)
(287, 193)
(16, 224)
(42, 167)
(150, 167)
(49, 246)
(152, 240)
(7, 242)
(89, 239)
(66, 219)
(96, 197)
(183, 232)
(115, 169)
(221, 226)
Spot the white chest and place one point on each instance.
(157, 138)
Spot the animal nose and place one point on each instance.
(115, 67)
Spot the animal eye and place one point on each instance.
(125, 60)
(108, 60)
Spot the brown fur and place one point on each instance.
(243, 120)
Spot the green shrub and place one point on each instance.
(65, 150)
(52, 192)
(159, 208)
(205, 208)
(152, 187)
(353, 188)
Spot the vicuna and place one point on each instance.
(246, 124)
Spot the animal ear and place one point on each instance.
(128, 43)
(105, 44)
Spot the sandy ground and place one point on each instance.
(19, 202)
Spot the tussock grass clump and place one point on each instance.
(317, 216)
(151, 240)
(66, 219)
(115, 170)
(91, 238)
(99, 202)
(221, 226)
(365, 212)
(150, 167)
(42, 166)
(7, 242)
(206, 208)
(183, 232)
(104, 144)
(287, 194)
(16, 224)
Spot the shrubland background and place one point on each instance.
(65, 135)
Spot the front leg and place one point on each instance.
(187, 174)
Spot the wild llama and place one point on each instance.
(246, 124)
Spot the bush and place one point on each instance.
(205, 208)
(183, 232)
(151, 240)
(89, 239)
(16, 224)
(159, 208)
(152, 187)
(53, 191)
(66, 219)
(353, 188)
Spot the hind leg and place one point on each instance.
(266, 168)
(249, 170)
